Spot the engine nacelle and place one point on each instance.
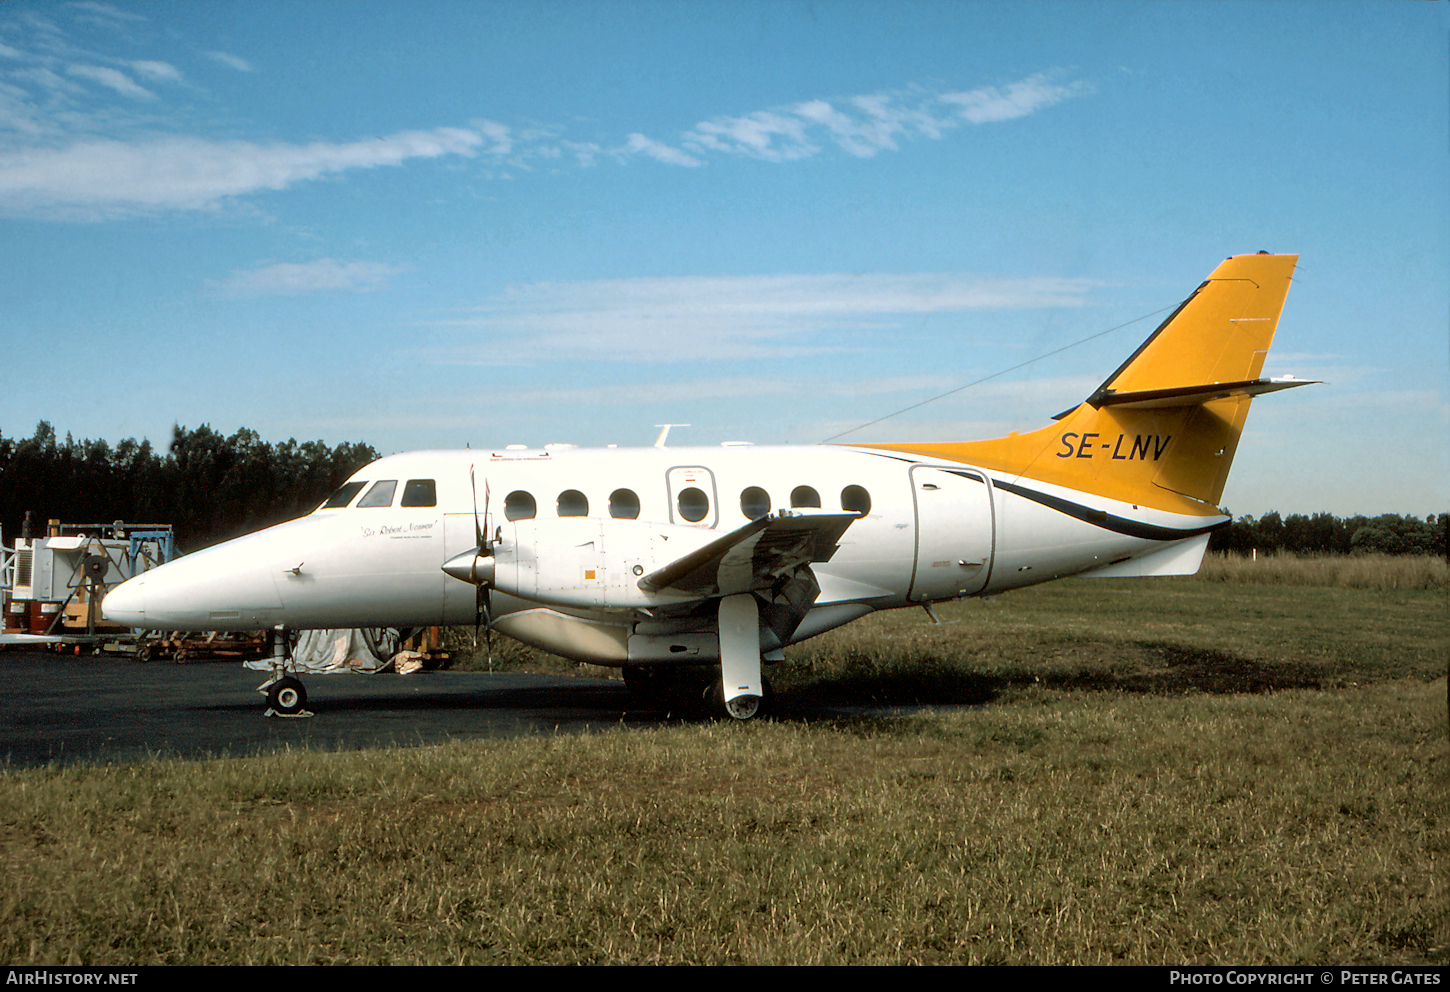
(582, 563)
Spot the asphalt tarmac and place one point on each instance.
(67, 709)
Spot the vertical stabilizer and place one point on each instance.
(1161, 431)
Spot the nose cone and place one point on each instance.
(126, 604)
(221, 588)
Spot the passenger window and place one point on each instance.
(754, 503)
(381, 494)
(855, 499)
(519, 506)
(624, 505)
(344, 495)
(573, 503)
(805, 496)
(420, 492)
(694, 504)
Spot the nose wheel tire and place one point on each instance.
(287, 696)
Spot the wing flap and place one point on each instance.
(754, 556)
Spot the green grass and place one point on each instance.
(1368, 571)
(1161, 772)
(1301, 828)
(1161, 636)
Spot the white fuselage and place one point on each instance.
(571, 530)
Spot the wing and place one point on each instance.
(754, 557)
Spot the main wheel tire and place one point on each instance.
(740, 708)
(287, 696)
(743, 707)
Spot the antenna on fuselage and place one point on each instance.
(660, 441)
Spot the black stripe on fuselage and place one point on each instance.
(1098, 518)
(1105, 520)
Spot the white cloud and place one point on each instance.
(584, 152)
(987, 104)
(98, 178)
(102, 179)
(769, 135)
(903, 388)
(845, 130)
(294, 278)
(862, 125)
(231, 61)
(163, 72)
(113, 78)
(103, 13)
(639, 144)
(46, 78)
(691, 319)
(500, 135)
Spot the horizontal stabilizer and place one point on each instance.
(752, 557)
(1154, 399)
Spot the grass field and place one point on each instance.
(1344, 571)
(1157, 771)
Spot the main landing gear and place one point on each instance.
(741, 689)
(286, 695)
(737, 690)
(693, 689)
(745, 707)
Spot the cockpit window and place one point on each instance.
(344, 495)
(420, 492)
(381, 494)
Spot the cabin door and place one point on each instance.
(953, 533)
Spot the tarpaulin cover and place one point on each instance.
(361, 650)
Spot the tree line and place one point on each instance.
(209, 487)
(1325, 534)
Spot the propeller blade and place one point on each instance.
(483, 612)
(483, 542)
(477, 527)
(484, 548)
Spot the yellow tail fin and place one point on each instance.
(1161, 431)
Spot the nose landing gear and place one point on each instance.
(286, 695)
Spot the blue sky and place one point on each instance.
(430, 224)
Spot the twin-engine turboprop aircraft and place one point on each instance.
(669, 556)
